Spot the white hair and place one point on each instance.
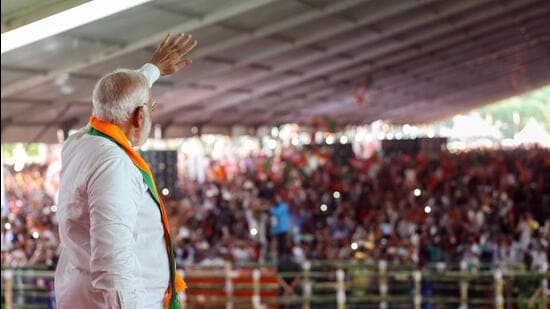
(117, 94)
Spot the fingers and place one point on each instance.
(182, 39)
(171, 51)
(164, 41)
(181, 43)
(169, 41)
(182, 64)
(185, 49)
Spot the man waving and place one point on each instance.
(116, 250)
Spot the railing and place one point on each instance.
(27, 288)
(324, 285)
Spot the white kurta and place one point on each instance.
(112, 241)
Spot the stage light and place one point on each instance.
(324, 207)
(253, 232)
(354, 246)
(165, 191)
(35, 235)
(417, 192)
(63, 21)
(336, 194)
(53, 208)
(330, 140)
(427, 209)
(7, 226)
(343, 139)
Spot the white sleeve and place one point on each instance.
(113, 216)
(151, 72)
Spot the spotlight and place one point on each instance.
(7, 226)
(253, 232)
(53, 208)
(354, 246)
(35, 235)
(165, 191)
(343, 139)
(427, 209)
(336, 194)
(417, 192)
(324, 207)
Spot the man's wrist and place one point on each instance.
(151, 72)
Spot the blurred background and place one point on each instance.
(318, 154)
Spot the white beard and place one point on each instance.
(145, 131)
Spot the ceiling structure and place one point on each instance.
(268, 62)
(16, 13)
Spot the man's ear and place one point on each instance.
(138, 117)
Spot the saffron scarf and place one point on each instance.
(112, 132)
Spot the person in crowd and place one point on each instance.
(280, 224)
(289, 279)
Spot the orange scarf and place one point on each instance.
(110, 131)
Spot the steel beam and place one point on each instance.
(372, 53)
(460, 51)
(489, 84)
(113, 52)
(322, 35)
(354, 69)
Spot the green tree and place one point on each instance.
(535, 104)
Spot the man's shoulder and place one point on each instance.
(97, 155)
(97, 149)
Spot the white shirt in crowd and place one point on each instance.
(113, 253)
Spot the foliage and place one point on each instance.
(535, 104)
(32, 150)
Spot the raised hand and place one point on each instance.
(170, 55)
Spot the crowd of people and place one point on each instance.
(488, 207)
(29, 225)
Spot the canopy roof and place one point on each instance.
(267, 62)
(533, 133)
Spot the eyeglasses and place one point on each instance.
(153, 105)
